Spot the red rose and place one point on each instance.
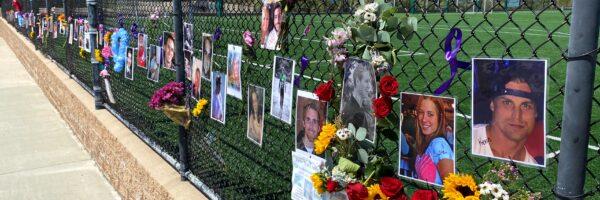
(325, 91)
(331, 185)
(425, 195)
(356, 191)
(382, 106)
(392, 187)
(388, 86)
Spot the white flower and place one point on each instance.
(497, 191)
(343, 134)
(370, 17)
(340, 34)
(359, 12)
(377, 59)
(484, 188)
(372, 7)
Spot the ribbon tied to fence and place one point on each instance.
(450, 56)
(304, 62)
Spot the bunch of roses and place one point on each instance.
(172, 93)
(388, 87)
(335, 45)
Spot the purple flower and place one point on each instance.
(171, 93)
(248, 38)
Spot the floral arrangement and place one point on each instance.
(464, 186)
(371, 29)
(249, 41)
(170, 100)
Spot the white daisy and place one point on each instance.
(370, 17)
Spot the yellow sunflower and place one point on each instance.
(199, 106)
(98, 55)
(317, 183)
(375, 191)
(324, 138)
(460, 187)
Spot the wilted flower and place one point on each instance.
(340, 34)
(378, 59)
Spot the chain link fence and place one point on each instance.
(225, 164)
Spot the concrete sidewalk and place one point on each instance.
(40, 158)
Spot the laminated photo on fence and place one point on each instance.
(142, 44)
(188, 36)
(129, 64)
(168, 47)
(218, 97)
(207, 55)
(256, 110)
(271, 25)
(509, 110)
(196, 78)
(188, 62)
(154, 63)
(282, 88)
(234, 67)
(358, 92)
(310, 117)
(427, 151)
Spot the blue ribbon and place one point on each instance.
(304, 62)
(450, 56)
(217, 34)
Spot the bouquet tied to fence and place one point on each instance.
(171, 100)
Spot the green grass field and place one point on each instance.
(225, 160)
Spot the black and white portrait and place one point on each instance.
(358, 93)
(188, 36)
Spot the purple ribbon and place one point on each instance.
(217, 34)
(451, 58)
(121, 20)
(307, 30)
(134, 30)
(303, 65)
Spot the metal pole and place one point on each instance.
(578, 100)
(179, 66)
(93, 31)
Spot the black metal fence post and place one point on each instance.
(583, 42)
(93, 31)
(180, 77)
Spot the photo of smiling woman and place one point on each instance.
(427, 138)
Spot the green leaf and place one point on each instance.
(361, 134)
(351, 128)
(362, 2)
(391, 23)
(387, 55)
(382, 46)
(347, 166)
(355, 35)
(390, 134)
(363, 156)
(383, 36)
(395, 56)
(413, 21)
(387, 11)
(407, 28)
(366, 55)
(367, 33)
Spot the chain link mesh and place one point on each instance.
(235, 168)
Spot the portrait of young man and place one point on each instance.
(271, 25)
(509, 111)
(358, 92)
(188, 36)
(196, 78)
(168, 47)
(188, 62)
(282, 89)
(207, 55)
(310, 116)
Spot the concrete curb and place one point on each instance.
(133, 168)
